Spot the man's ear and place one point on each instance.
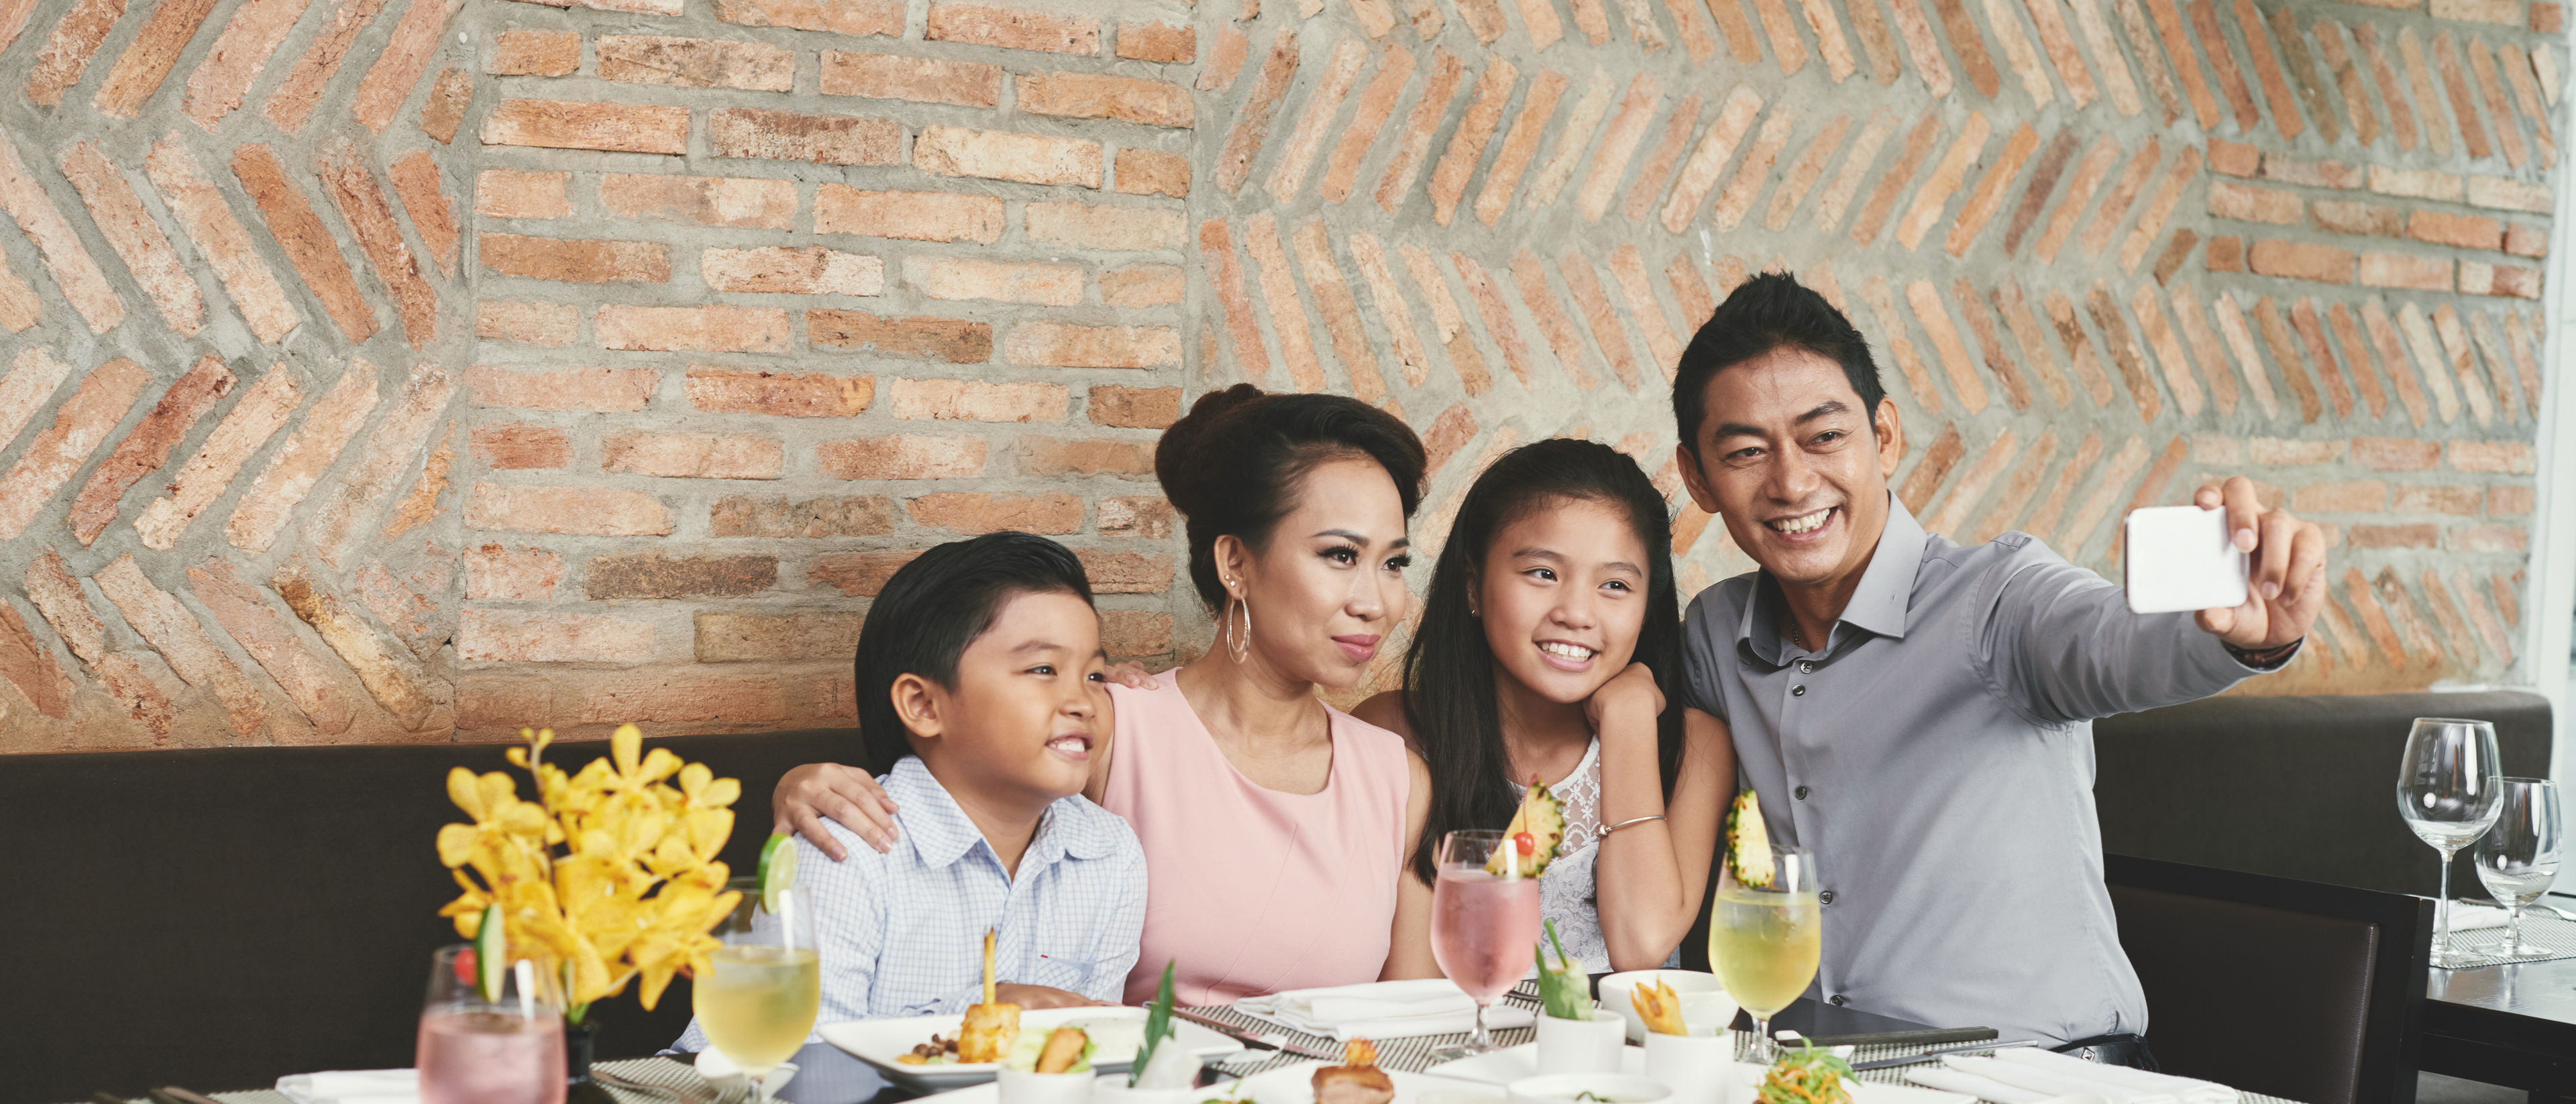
(1891, 438)
(916, 703)
(1693, 479)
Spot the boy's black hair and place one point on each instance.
(933, 608)
(1770, 311)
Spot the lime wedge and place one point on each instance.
(777, 870)
(491, 952)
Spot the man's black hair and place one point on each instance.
(1770, 311)
(933, 608)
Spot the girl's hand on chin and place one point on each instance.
(1632, 691)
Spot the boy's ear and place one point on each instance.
(916, 703)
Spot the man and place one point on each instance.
(1917, 713)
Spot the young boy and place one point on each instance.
(981, 701)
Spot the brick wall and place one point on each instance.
(417, 369)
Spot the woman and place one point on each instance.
(1276, 829)
(1550, 647)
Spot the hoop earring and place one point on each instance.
(1240, 647)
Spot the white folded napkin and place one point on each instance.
(2469, 917)
(1961, 1081)
(396, 1086)
(2052, 1081)
(1380, 1010)
(2188, 1090)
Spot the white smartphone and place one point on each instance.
(2180, 559)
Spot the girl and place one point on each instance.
(1550, 647)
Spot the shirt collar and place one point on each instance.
(942, 833)
(1878, 605)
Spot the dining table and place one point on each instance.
(827, 1075)
(2512, 1025)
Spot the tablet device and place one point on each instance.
(2179, 559)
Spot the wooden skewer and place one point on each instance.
(988, 966)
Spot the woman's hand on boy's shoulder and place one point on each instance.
(810, 794)
(1041, 996)
(1631, 693)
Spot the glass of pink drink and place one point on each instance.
(1482, 924)
(473, 1051)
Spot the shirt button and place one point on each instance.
(1837, 999)
(1826, 897)
(1800, 793)
(1798, 691)
(1806, 667)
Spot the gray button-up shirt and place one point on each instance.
(1936, 756)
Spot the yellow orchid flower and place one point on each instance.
(608, 876)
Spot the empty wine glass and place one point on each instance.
(2449, 790)
(2518, 858)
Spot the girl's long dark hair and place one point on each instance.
(1449, 690)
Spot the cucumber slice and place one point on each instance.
(491, 955)
(777, 870)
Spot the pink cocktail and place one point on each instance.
(1483, 923)
(485, 1057)
(1482, 928)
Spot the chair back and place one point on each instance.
(2292, 989)
(220, 917)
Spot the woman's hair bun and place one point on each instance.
(1231, 466)
(1179, 458)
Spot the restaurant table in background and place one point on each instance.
(2512, 1025)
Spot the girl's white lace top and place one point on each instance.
(1567, 893)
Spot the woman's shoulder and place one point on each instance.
(1380, 743)
(1385, 711)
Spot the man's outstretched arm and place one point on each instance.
(2062, 640)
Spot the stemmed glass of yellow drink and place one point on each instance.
(758, 1002)
(1764, 941)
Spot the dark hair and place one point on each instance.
(933, 608)
(1770, 311)
(1449, 689)
(1231, 466)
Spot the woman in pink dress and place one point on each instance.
(1278, 831)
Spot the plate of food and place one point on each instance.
(1358, 1080)
(932, 1053)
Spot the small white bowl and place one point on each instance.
(1685, 983)
(1695, 1067)
(1021, 1087)
(1588, 1045)
(1112, 1088)
(1611, 1087)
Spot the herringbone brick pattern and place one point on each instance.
(417, 369)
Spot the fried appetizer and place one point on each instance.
(990, 1027)
(1064, 1048)
(1357, 1080)
(1660, 1007)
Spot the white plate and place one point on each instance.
(1287, 1085)
(1749, 1075)
(1502, 1067)
(879, 1042)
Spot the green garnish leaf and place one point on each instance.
(1563, 989)
(1158, 1025)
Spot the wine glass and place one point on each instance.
(2448, 789)
(758, 999)
(2518, 858)
(1765, 942)
(1483, 925)
(476, 1051)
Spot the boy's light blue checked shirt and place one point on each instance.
(901, 933)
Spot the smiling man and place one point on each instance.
(1917, 713)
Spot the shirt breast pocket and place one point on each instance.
(1065, 934)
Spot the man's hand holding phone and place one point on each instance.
(2284, 566)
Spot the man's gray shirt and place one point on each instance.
(1936, 756)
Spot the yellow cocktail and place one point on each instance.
(1764, 946)
(759, 1002)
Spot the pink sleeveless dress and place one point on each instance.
(1254, 891)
